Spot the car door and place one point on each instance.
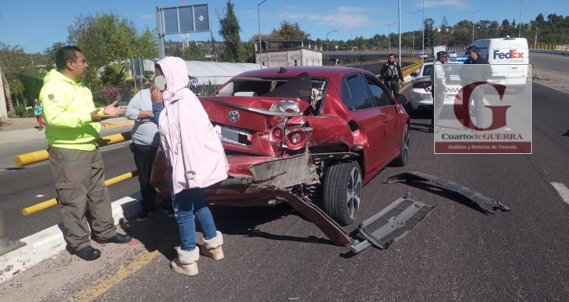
(388, 116)
(357, 99)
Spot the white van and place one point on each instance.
(509, 58)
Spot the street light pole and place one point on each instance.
(389, 35)
(473, 12)
(399, 21)
(328, 47)
(260, 47)
(413, 13)
(423, 27)
(520, 22)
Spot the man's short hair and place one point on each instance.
(391, 55)
(472, 48)
(65, 54)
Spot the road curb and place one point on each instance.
(117, 124)
(49, 242)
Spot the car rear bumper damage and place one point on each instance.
(271, 183)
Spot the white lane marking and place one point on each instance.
(562, 190)
(40, 195)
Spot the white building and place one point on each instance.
(305, 53)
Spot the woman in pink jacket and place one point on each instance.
(196, 158)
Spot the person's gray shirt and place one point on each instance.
(144, 131)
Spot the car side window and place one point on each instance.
(381, 97)
(354, 93)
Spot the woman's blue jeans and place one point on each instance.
(188, 203)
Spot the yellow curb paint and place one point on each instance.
(103, 285)
(53, 202)
(117, 124)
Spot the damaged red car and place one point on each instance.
(310, 136)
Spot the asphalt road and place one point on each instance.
(23, 187)
(556, 64)
(456, 253)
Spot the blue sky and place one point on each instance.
(36, 25)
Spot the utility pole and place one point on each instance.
(413, 13)
(260, 47)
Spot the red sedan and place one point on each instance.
(310, 136)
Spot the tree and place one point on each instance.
(229, 29)
(106, 38)
(194, 52)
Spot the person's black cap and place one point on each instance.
(442, 54)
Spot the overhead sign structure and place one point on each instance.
(183, 19)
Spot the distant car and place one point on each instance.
(423, 55)
(316, 134)
(421, 98)
(451, 53)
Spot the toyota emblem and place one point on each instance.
(234, 116)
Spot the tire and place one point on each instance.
(403, 157)
(343, 184)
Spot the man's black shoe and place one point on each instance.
(88, 253)
(117, 238)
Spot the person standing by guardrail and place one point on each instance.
(76, 164)
(391, 74)
(196, 158)
(145, 142)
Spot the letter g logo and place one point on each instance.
(462, 110)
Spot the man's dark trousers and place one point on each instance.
(80, 184)
(144, 159)
(393, 85)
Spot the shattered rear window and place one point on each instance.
(301, 86)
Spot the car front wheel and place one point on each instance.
(343, 184)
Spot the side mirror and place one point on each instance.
(401, 99)
(414, 74)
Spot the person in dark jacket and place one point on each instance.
(472, 74)
(391, 74)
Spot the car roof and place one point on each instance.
(313, 71)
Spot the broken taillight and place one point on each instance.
(277, 133)
(295, 139)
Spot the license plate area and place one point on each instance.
(232, 135)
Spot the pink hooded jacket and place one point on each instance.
(188, 138)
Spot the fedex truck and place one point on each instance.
(509, 58)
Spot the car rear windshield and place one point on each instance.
(301, 86)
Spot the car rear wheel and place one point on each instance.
(343, 184)
(403, 157)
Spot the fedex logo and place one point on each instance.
(512, 54)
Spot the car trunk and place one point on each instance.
(257, 125)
